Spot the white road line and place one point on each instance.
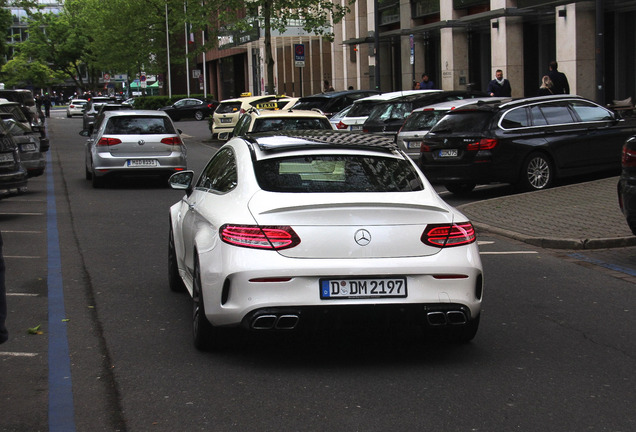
(17, 354)
(23, 295)
(20, 214)
(21, 257)
(21, 232)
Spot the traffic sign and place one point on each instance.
(299, 55)
(142, 79)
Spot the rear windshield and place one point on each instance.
(362, 109)
(422, 120)
(390, 111)
(308, 104)
(228, 107)
(463, 121)
(132, 125)
(337, 173)
(300, 123)
(15, 112)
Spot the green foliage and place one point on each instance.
(21, 72)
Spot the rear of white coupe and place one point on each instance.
(286, 232)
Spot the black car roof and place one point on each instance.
(336, 94)
(325, 139)
(511, 103)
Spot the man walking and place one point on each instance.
(499, 87)
(560, 83)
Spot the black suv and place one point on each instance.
(332, 102)
(527, 142)
(388, 117)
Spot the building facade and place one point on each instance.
(459, 43)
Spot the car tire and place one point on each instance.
(88, 174)
(460, 188)
(198, 115)
(205, 335)
(98, 182)
(174, 280)
(537, 172)
(68, 115)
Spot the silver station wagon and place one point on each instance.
(133, 143)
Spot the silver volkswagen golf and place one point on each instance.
(133, 142)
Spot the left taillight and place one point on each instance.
(341, 125)
(104, 141)
(449, 235)
(628, 158)
(259, 237)
(172, 141)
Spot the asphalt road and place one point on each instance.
(556, 350)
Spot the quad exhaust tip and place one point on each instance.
(446, 318)
(275, 322)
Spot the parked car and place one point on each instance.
(335, 119)
(13, 175)
(527, 142)
(627, 183)
(75, 107)
(257, 121)
(388, 117)
(361, 109)
(14, 111)
(191, 108)
(229, 111)
(421, 120)
(134, 142)
(282, 230)
(31, 156)
(113, 107)
(26, 101)
(332, 102)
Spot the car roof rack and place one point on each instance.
(271, 141)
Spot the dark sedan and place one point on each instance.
(191, 108)
(526, 142)
(627, 183)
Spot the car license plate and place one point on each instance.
(413, 144)
(362, 288)
(6, 157)
(28, 147)
(226, 120)
(356, 127)
(142, 163)
(448, 153)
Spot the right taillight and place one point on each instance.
(172, 141)
(628, 158)
(259, 237)
(104, 141)
(449, 235)
(482, 144)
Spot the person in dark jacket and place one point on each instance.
(560, 83)
(499, 87)
(4, 334)
(426, 83)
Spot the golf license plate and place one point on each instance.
(362, 288)
(142, 163)
(448, 153)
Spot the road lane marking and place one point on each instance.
(17, 354)
(23, 295)
(509, 253)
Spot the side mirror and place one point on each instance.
(182, 180)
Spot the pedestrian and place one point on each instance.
(47, 106)
(426, 83)
(546, 86)
(4, 334)
(328, 87)
(560, 83)
(499, 87)
(416, 85)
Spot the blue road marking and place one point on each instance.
(614, 267)
(61, 411)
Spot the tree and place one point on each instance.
(22, 72)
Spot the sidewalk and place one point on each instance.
(579, 216)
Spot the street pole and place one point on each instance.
(600, 53)
(168, 54)
(376, 43)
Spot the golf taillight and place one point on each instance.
(259, 237)
(449, 235)
(172, 141)
(104, 141)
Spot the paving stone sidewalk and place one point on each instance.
(579, 216)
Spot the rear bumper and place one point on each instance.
(13, 181)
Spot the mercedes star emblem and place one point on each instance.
(141, 142)
(362, 237)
